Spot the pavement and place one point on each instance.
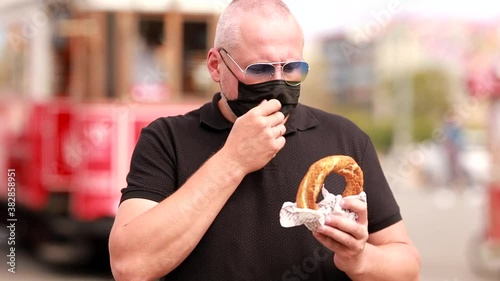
(443, 224)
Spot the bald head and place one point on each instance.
(229, 30)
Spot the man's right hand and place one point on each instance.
(256, 137)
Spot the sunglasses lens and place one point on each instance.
(295, 72)
(260, 70)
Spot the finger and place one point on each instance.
(267, 108)
(345, 225)
(341, 235)
(280, 142)
(341, 241)
(357, 206)
(328, 242)
(276, 131)
(281, 130)
(276, 118)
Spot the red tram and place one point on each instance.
(81, 79)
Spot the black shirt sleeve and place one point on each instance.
(383, 209)
(151, 174)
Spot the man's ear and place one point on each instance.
(213, 64)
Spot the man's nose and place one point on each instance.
(278, 72)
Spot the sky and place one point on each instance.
(322, 16)
(319, 16)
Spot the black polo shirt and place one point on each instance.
(246, 241)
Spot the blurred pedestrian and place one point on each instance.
(454, 146)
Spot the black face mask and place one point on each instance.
(249, 96)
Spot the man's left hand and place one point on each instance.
(345, 237)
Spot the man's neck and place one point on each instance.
(226, 111)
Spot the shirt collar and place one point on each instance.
(300, 119)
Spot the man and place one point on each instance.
(205, 189)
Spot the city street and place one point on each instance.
(29, 269)
(440, 222)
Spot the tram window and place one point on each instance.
(13, 56)
(196, 80)
(195, 36)
(61, 54)
(151, 31)
(149, 74)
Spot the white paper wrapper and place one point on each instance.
(291, 215)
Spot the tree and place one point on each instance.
(431, 99)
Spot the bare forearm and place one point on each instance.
(176, 225)
(395, 261)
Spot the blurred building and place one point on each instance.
(361, 61)
(351, 73)
(95, 50)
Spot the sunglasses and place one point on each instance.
(293, 72)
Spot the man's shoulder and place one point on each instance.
(172, 120)
(330, 118)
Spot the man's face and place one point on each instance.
(263, 40)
